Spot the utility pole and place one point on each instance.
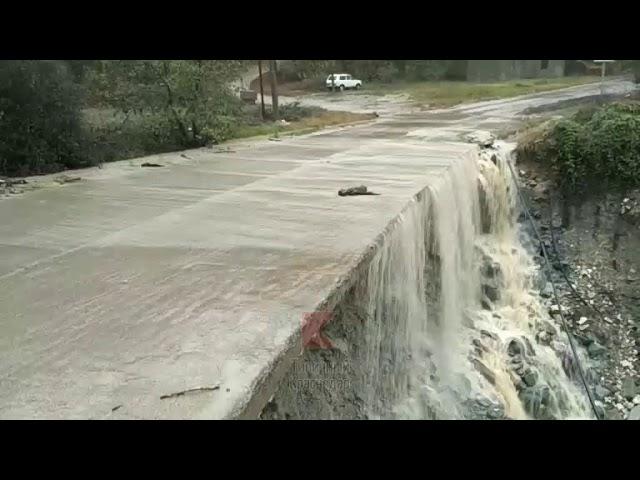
(604, 70)
(261, 89)
(274, 89)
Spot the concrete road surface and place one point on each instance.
(122, 291)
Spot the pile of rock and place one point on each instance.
(10, 186)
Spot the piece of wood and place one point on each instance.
(191, 390)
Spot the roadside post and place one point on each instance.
(604, 71)
(261, 90)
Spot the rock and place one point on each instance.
(351, 191)
(484, 408)
(634, 414)
(543, 338)
(596, 350)
(628, 388)
(582, 320)
(515, 348)
(584, 340)
(483, 138)
(558, 347)
(485, 210)
(530, 349)
(490, 269)
(496, 413)
(62, 179)
(561, 265)
(601, 392)
(536, 400)
(549, 328)
(491, 291)
(485, 371)
(612, 414)
(539, 280)
(488, 334)
(547, 291)
(599, 410)
(530, 378)
(569, 365)
(479, 345)
(591, 376)
(486, 305)
(516, 361)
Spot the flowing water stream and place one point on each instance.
(447, 321)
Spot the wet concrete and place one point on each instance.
(134, 283)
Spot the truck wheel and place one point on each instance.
(358, 86)
(342, 88)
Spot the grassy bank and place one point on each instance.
(447, 94)
(310, 124)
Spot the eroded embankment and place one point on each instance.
(444, 320)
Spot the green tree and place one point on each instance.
(193, 97)
(304, 69)
(40, 128)
(427, 69)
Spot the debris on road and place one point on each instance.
(353, 191)
(482, 138)
(148, 164)
(62, 179)
(191, 390)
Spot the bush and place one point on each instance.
(138, 135)
(294, 111)
(40, 128)
(597, 147)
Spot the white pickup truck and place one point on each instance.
(343, 81)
